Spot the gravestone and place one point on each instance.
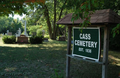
(62, 38)
(18, 33)
(25, 30)
(22, 39)
(43, 32)
(10, 33)
(3, 34)
(7, 32)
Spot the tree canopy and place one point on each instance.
(8, 23)
(78, 7)
(16, 6)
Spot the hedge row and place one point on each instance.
(12, 39)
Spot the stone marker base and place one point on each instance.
(45, 39)
(61, 38)
(22, 39)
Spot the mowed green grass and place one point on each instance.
(48, 60)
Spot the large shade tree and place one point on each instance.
(52, 11)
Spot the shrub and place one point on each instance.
(36, 39)
(9, 39)
(114, 42)
(46, 36)
(33, 29)
(39, 32)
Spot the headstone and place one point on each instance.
(22, 39)
(62, 38)
(25, 33)
(19, 32)
(46, 39)
(10, 33)
(3, 34)
(25, 29)
(7, 31)
(43, 32)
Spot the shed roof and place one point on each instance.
(99, 17)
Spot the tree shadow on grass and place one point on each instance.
(31, 62)
(82, 69)
(41, 60)
(31, 53)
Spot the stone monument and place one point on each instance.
(18, 33)
(25, 33)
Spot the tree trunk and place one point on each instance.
(46, 14)
(57, 27)
(54, 24)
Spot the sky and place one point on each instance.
(17, 16)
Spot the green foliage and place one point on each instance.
(114, 39)
(8, 23)
(39, 32)
(36, 39)
(116, 30)
(40, 14)
(114, 42)
(9, 39)
(57, 75)
(82, 11)
(47, 36)
(33, 28)
(12, 6)
(81, 8)
(36, 29)
(17, 6)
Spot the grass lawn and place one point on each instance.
(48, 60)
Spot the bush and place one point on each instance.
(33, 29)
(9, 39)
(47, 36)
(39, 32)
(36, 39)
(114, 42)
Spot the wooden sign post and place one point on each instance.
(105, 52)
(68, 52)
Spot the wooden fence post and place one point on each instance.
(105, 52)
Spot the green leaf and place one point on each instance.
(89, 5)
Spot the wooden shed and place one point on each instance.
(100, 18)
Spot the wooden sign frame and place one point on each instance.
(92, 35)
